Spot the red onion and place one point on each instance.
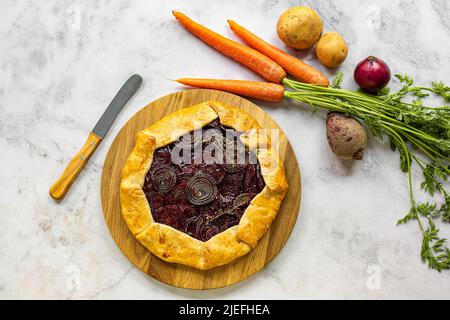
(372, 74)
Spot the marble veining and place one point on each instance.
(62, 61)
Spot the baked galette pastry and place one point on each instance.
(202, 185)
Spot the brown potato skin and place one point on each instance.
(346, 137)
(331, 49)
(299, 27)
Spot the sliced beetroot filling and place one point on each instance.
(207, 197)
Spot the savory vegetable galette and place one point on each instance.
(202, 185)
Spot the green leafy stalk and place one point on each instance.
(412, 129)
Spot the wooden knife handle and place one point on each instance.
(60, 187)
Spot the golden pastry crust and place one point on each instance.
(134, 204)
(175, 246)
(176, 124)
(172, 245)
(224, 248)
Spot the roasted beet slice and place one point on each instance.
(187, 212)
(199, 225)
(214, 170)
(211, 208)
(232, 167)
(148, 183)
(209, 231)
(259, 179)
(167, 215)
(233, 179)
(226, 221)
(155, 199)
(189, 226)
(215, 125)
(162, 157)
(230, 191)
(249, 184)
(188, 170)
(178, 194)
(174, 215)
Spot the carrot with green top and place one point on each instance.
(265, 91)
(293, 66)
(256, 61)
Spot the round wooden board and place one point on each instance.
(175, 274)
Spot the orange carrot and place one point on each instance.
(256, 61)
(293, 66)
(255, 89)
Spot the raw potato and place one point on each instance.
(331, 49)
(299, 27)
(346, 136)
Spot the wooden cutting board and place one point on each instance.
(179, 275)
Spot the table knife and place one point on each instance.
(129, 88)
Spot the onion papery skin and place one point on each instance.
(372, 74)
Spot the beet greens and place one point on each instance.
(419, 133)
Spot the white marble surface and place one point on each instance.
(62, 61)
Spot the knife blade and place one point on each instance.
(118, 102)
(73, 169)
